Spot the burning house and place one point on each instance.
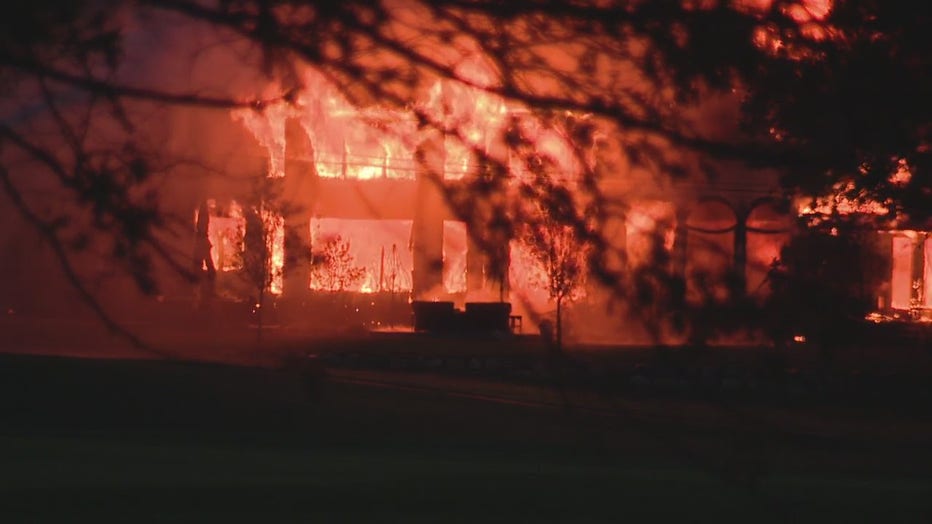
(363, 196)
(424, 193)
(371, 196)
(325, 195)
(369, 199)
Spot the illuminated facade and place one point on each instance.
(380, 183)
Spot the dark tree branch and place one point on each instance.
(114, 90)
(49, 235)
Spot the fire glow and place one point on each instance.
(380, 249)
(276, 240)
(367, 143)
(376, 142)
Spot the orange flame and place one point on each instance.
(277, 241)
(842, 204)
(226, 236)
(376, 142)
(379, 142)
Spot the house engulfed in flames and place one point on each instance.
(373, 183)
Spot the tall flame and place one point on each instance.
(376, 142)
(225, 232)
(276, 232)
(379, 248)
(268, 126)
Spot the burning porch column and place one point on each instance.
(299, 192)
(203, 263)
(490, 231)
(498, 263)
(427, 229)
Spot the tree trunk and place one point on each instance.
(559, 334)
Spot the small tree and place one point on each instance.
(562, 255)
(264, 241)
(334, 266)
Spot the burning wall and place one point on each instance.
(908, 287)
(380, 247)
(375, 177)
(376, 180)
(384, 167)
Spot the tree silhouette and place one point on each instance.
(334, 266)
(823, 285)
(843, 92)
(264, 241)
(562, 255)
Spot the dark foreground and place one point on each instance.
(158, 441)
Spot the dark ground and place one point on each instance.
(157, 440)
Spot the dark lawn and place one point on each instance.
(161, 441)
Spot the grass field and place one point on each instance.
(138, 440)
